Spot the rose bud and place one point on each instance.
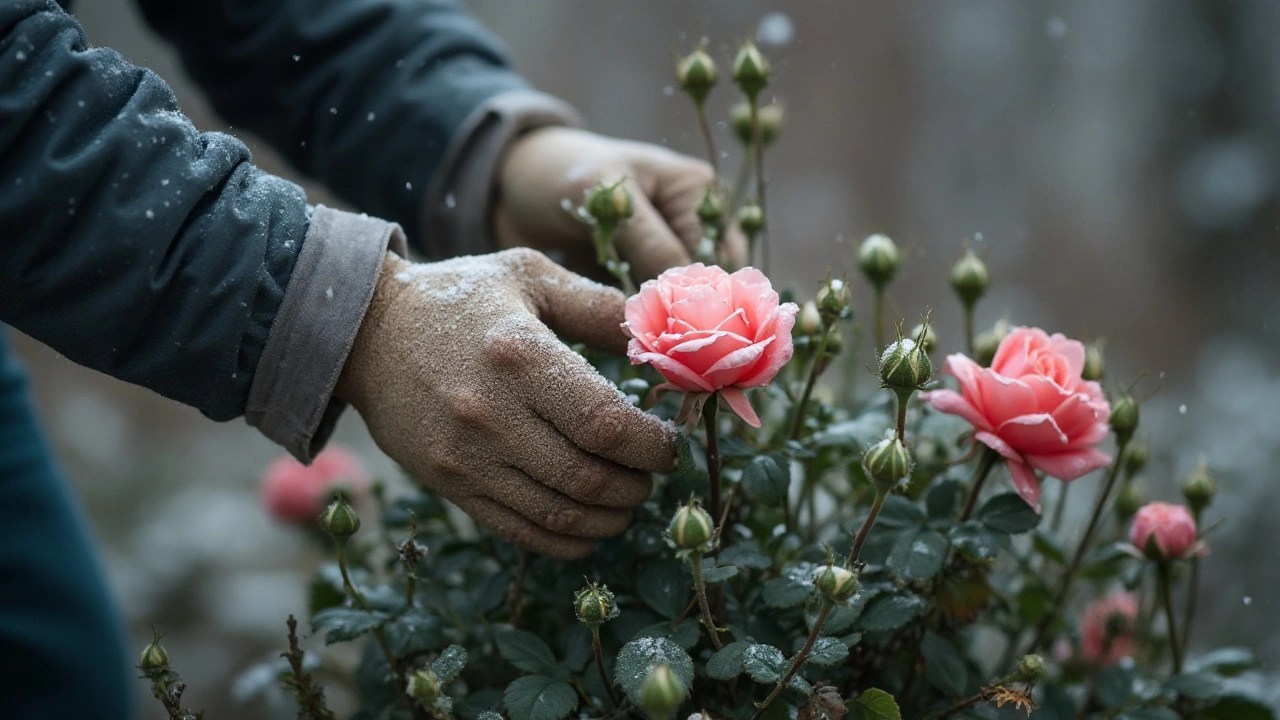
(930, 337)
(810, 321)
(905, 365)
(1094, 365)
(1199, 489)
(986, 344)
(1107, 629)
(1131, 497)
(424, 686)
(1031, 669)
(1124, 416)
(709, 209)
(769, 117)
(340, 519)
(691, 528)
(697, 74)
(595, 604)
(832, 299)
(1163, 531)
(609, 205)
(1135, 456)
(969, 278)
(887, 463)
(878, 258)
(154, 658)
(750, 219)
(296, 493)
(661, 692)
(836, 584)
(751, 70)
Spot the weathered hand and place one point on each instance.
(462, 383)
(552, 164)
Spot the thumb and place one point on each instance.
(577, 309)
(647, 242)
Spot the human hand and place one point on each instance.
(462, 383)
(551, 164)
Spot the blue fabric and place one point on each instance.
(62, 646)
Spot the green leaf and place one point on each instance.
(686, 634)
(686, 467)
(664, 586)
(1113, 686)
(536, 697)
(489, 715)
(899, 513)
(639, 656)
(449, 664)
(413, 633)
(889, 612)
(1238, 707)
(713, 573)
(1032, 601)
(828, 651)
(1149, 713)
(526, 651)
(1049, 546)
(875, 704)
(944, 498)
(765, 479)
(746, 553)
(975, 542)
(344, 623)
(1228, 661)
(1009, 514)
(726, 664)
(764, 663)
(1055, 704)
(918, 555)
(492, 591)
(1105, 562)
(944, 666)
(1196, 685)
(792, 588)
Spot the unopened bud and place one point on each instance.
(832, 299)
(969, 278)
(810, 322)
(709, 209)
(887, 463)
(595, 604)
(661, 692)
(1094, 365)
(697, 74)
(1129, 500)
(1031, 668)
(609, 205)
(905, 365)
(1199, 488)
(424, 686)
(691, 528)
(769, 117)
(878, 258)
(751, 70)
(930, 338)
(987, 343)
(836, 584)
(1135, 456)
(340, 519)
(1124, 416)
(154, 658)
(750, 219)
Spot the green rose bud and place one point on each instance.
(769, 117)
(1199, 488)
(1131, 497)
(697, 74)
(878, 258)
(595, 604)
(969, 278)
(832, 299)
(987, 343)
(1094, 365)
(1124, 416)
(609, 205)
(661, 692)
(930, 337)
(810, 321)
(424, 686)
(154, 658)
(750, 219)
(751, 70)
(709, 209)
(905, 365)
(691, 528)
(887, 463)
(836, 584)
(340, 519)
(1135, 457)
(1031, 669)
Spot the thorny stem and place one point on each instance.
(1042, 630)
(1166, 597)
(612, 262)
(878, 313)
(901, 428)
(358, 596)
(980, 474)
(865, 530)
(709, 412)
(700, 589)
(604, 677)
(757, 144)
(799, 660)
(310, 695)
(706, 136)
(798, 423)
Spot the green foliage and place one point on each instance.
(638, 657)
(537, 697)
(344, 623)
(875, 704)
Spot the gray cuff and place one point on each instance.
(457, 209)
(290, 399)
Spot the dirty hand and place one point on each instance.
(461, 380)
(552, 164)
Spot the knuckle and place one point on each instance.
(469, 409)
(588, 482)
(505, 349)
(605, 427)
(563, 519)
(523, 259)
(447, 461)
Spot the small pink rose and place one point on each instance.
(1164, 531)
(708, 331)
(296, 493)
(1032, 407)
(1107, 629)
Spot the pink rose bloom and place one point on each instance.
(1171, 526)
(296, 493)
(1032, 407)
(708, 331)
(1107, 629)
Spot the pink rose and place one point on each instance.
(1107, 629)
(296, 493)
(1172, 528)
(1032, 407)
(708, 331)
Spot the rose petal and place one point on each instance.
(1014, 353)
(777, 353)
(1072, 351)
(729, 369)
(1004, 398)
(737, 400)
(995, 443)
(1071, 464)
(672, 370)
(1025, 483)
(1036, 433)
(953, 403)
(700, 356)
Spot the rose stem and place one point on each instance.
(700, 106)
(361, 601)
(878, 312)
(757, 143)
(865, 530)
(968, 328)
(980, 474)
(1042, 630)
(700, 589)
(595, 641)
(1166, 594)
(1060, 509)
(709, 412)
(902, 415)
(1193, 589)
(798, 423)
(515, 591)
(799, 660)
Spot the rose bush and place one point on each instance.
(296, 493)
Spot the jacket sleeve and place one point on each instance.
(137, 246)
(403, 108)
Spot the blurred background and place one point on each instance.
(1114, 163)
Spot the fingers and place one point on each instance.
(678, 185)
(551, 459)
(521, 531)
(648, 242)
(551, 510)
(735, 248)
(579, 309)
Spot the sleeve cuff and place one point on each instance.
(291, 398)
(456, 211)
